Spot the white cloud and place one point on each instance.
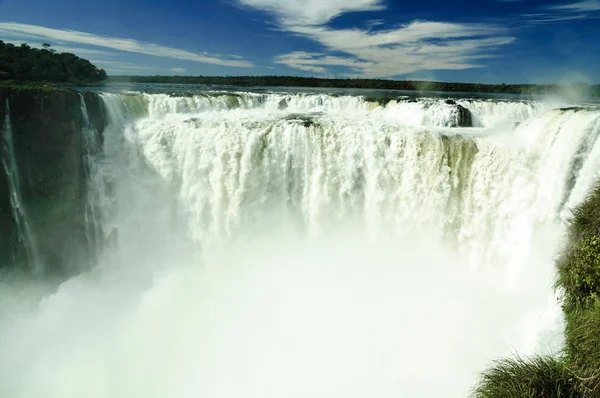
(114, 43)
(417, 46)
(82, 52)
(580, 6)
(312, 12)
(553, 17)
(115, 67)
(565, 12)
(313, 62)
(375, 23)
(178, 70)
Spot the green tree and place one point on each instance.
(24, 63)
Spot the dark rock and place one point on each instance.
(458, 117)
(305, 120)
(573, 108)
(283, 104)
(465, 119)
(450, 102)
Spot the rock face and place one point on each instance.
(283, 104)
(46, 129)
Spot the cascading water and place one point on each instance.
(330, 247)
(26, 233)
(91, 148)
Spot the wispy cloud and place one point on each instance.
(35, 32)
(83, 52)
(375, 22)
(315, 62)
(417, 46)
(116, 67)
(79, 51)
(580, 6)
(545, 18)
(565, 12)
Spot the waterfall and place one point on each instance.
(297, 244)
(91, 148)
(233, 170)
(25, 230)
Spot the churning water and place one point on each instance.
(306, 245)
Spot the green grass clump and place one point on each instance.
(583, 347)
(586, 216)
(539, 377)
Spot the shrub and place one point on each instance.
(579, 273)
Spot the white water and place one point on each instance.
(91, 141)
(331, 249)
(425, 112)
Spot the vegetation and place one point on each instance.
(377, 84)
(528, 378)
(579, 274)
(576, 373)
(25, 64)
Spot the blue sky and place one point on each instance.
(486, 41)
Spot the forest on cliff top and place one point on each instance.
(27, 64)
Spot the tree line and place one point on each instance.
(26, 64)
(377, 84)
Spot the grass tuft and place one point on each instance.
(538, 377)
(586, 217)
